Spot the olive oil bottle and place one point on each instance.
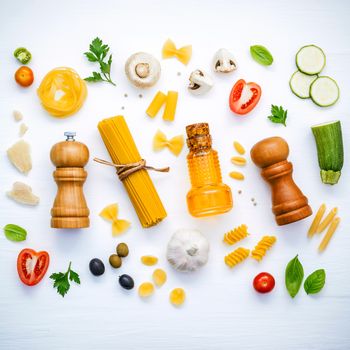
(208, 195)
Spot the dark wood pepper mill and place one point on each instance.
(288, 202)
(69, 209)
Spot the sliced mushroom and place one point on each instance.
(200, 82)
(142, 69)
(224, 61)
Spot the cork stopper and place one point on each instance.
(198, 136)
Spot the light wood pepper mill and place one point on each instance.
(288, 202)
(69, 209)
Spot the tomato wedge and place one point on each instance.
(244, 97)
(32, 266)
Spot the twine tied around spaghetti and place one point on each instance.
(124, 170)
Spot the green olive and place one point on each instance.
(115, 261)
(122, 250)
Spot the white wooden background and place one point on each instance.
(222, 309)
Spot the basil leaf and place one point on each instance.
(261, 55)
(294, 276)
(15, 233)
(315, 282)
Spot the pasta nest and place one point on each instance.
(62, 92)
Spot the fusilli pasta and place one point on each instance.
(262, 247)
(236, 257)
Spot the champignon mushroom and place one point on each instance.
(142, 69)
(200, 82)
(224, 61)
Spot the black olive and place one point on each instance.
(97, 267)
(126, 282)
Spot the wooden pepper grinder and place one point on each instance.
(70, 209)
(288, 202)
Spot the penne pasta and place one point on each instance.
(330, 232)
(316, 221)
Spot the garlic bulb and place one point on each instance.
(188, 250)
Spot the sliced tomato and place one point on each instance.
(32, 266)
(244, 97)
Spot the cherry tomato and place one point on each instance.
(32, 266)
(244, 97)
(24, 76)
(264, 282)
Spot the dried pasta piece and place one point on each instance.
(175, 144)
(262, 247)
(146, 289)
(19, 156)
(110, 213)
(23, 194)
(327, 220)
(159, 277)
(177, 296)
(183, 54)
(236, 175)
(236, 257)
(240, 161)
(316, 221)
(238, 147)
(17, 115)
(62, 92)
(149, 260)
(156, 104)
(170, 107)
(23, 128)
(330, 232)
(236, 235)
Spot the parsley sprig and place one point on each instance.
(98, 53)
(62, 280)
(279, 115)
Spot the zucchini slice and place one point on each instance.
(324, 91)
(300, 84)
(310, 59)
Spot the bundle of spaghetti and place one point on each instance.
(236, 235)
(139, 186)
(236, 257)
(262, 247)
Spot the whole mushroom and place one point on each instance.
(224, 61)
(200, 82)
(142, 69)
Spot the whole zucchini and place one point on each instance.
(329, 143)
